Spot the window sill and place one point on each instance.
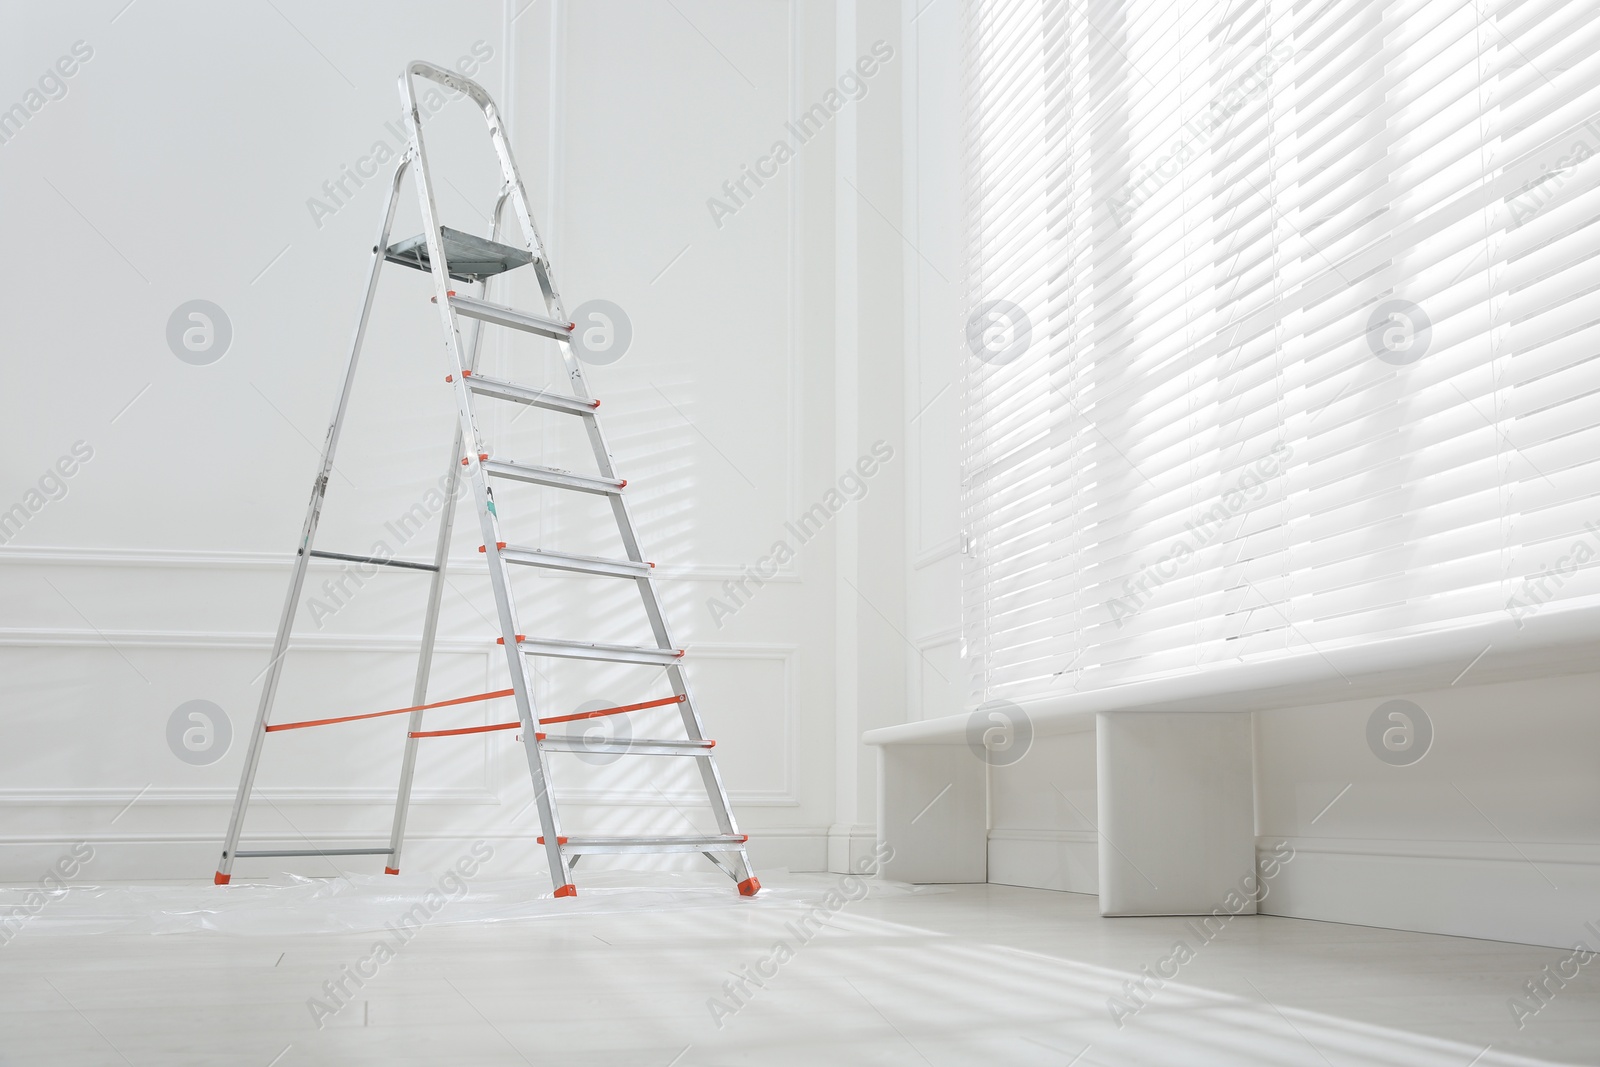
(1554, 641)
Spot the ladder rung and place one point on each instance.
(500, 315)
(269, 853)
(317, 553)
(527, 394)
(539, 646)
(527, 472)
(562, 561)
(573, 846)
(630, 747)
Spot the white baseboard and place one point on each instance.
(799, 849)
(848, 845)
(1536, 894)
(1064, 860)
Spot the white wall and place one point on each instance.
(179, 165)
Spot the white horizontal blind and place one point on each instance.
(1286, 317)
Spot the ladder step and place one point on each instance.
(526, 394)
(467, 258)
(405, 564)
(574, 846)
(270, 853)
(562, 561)
(630, 747)
(556, 479)
(540, 646)
(500, 315)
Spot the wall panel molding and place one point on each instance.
(784, 795)
(937, 639)
(466, 566)
(202, 797)
(62, 637)
(950, 546)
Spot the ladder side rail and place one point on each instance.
(530, 229)
(319, 489)
(580, 387)
(554, 307)
(499, 580)
(710, 773)
(688, 709)
(542, 268)
(430, 619)
(421, 68)
(694, 728)
(508, 170)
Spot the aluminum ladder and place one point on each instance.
(448, 255)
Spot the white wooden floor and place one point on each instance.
(973, 975)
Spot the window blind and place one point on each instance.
(1284, 329)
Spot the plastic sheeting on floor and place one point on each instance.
(291, 904)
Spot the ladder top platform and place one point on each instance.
(468, 257)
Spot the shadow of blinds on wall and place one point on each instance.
(1284, 331)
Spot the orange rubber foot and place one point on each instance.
(750, 887)
(568, 890)
(391, 870)
(221, 879)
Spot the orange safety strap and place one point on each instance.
(546, 722)
(473, 729)
(396, 711)
(466, 730)
(612, 711)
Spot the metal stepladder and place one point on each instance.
(447, 254)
